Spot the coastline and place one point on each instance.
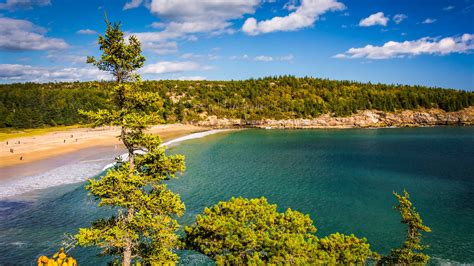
(361, 119)
(78, 165)
(33, 148)
(56, 143)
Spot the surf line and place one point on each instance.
(124, 157)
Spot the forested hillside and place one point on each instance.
(30, 105)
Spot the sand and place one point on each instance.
(53, 144)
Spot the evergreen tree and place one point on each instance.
(143, 228)
(251, 231)
(408, 254)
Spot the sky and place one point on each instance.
(416, 42)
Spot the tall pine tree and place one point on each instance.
(143, 228)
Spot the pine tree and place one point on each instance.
(408, 254)
(143, 228)
(252, 232)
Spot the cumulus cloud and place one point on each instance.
(303, 16)
(23, 4)
(164, 67)
(429, 21)
(398, 18)
(18, 73)
(431, 46)
(160, 47)
(183, 19)
(20, 35)
(87, 32)
(132, 4)
(61, 57)
(374, 19)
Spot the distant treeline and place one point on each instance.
(30, 105)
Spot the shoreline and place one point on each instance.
(72, 167)
(25, 150)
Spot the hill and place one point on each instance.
(31, 105)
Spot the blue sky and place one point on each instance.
(390, 41)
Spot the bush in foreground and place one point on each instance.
(251, 231)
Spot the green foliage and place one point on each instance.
(347, 249)
(119, 57)
(243, 231)
(144, 227)
(35, 105)
(408, 253)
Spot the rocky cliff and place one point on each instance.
(362, 119)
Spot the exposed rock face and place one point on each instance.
(366, 118)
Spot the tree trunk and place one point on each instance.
(127, 255)
(127, 252)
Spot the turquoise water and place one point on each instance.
(342, 178)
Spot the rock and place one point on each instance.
(362, 119)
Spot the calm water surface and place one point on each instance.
(343, 178)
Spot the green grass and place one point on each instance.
(9, 133)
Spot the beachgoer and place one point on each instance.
(11, 150)
(21, 158)
(64, 141)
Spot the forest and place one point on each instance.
(33, 105)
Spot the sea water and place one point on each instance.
(343, 179)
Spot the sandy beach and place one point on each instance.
(56, 158)
(56, 143)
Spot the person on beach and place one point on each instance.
(21, 158)
(11, 150)
(64, 141)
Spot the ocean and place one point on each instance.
(343, 179)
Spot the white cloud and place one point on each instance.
(431, 46)
(158, 25)
(429, 21)
(289, 57)
(263, 58)
(23, 4)
(200, 56)
(374, 19)
(18, 73)
(132, 4)
(87, 32)
(17, 34)
(447, 8)
(172, 67)
(304, 16)
(67, 58)
(398, 18)
(160, 48)
(191, 78)
(237, 57)
(184, 19)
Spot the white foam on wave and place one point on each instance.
(194, 136)
(72, 173)
(124, 157)
(67, 174)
